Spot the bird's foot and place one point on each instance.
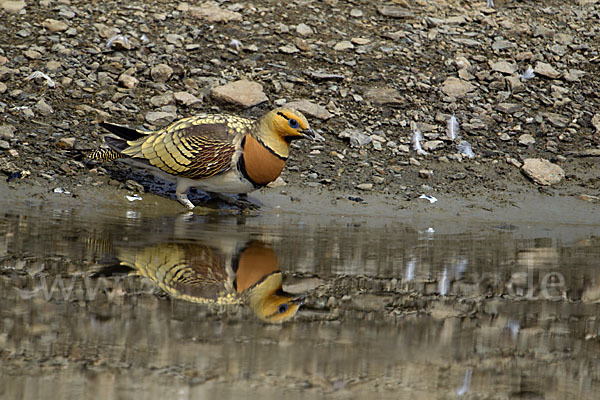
(183, 199)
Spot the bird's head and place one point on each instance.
(281, 126)
(271, 303)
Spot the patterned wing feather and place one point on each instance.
(194, 273)
(196, 147)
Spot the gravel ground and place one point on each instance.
(521, 81)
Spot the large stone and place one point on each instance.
(242, 92)
(13, 6)
(455, 87)
(542, 171)
(310, 109)
(211, 12)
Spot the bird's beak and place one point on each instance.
(310, 134)
(299, 300)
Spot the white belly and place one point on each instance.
(230, 182)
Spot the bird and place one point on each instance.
(203, 274)
(218, 153)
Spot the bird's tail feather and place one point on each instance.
(122, 131)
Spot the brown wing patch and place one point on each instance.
(196, 147)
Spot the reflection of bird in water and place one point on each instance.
(198, 273)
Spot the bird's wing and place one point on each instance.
(196, 147)
(194, 273)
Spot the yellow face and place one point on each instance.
(278, 308)
(271, 303)
(291, 125)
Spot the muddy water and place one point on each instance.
(393, 310)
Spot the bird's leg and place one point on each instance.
(183, 199)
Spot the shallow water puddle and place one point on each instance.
(493, 311)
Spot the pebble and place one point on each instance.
(128, 81)
(356, 137)
(7, 132)
(395, 11)
(186, 99)
(243, 92)
(547, 70)
(54, 25)
(432, 145)
(504, 67)
(343, 46)
(304, 30)
(289, 49)
(526, 139)
(365, 186)
(542, 171)
(160, 118)
(425, 173)
(455, 87)
(43, 107)
(384, 96)
(161, 72)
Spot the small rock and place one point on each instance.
(162, 100)
(542, 171)
(365, 186)
(54, 25)
(356, 13)
(504, 67)
(425, 173)
(43, 107)
(289, 49)
(356, 137)
(573, 75)
(186, 99)
(3, 87)
(211, 12)
(343, 45)
(324, 76)
(547, 70)
(311, 109)
(455, 87)
(589, 198)
(557, 120)
(395, 12)
(509, 108)
(160, 118)
(526, 139)
(596, 122)
(66, 143)
(360, 41)
(384, 96)
(128, 81)
(161, 73)
(304, 30)
(432, 145)
(7, 132)
(4, 145)
(242, 92)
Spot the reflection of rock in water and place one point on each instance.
(199, 274)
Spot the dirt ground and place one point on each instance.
(372, 71)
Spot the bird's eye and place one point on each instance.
(293, 123)
(282, 308)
